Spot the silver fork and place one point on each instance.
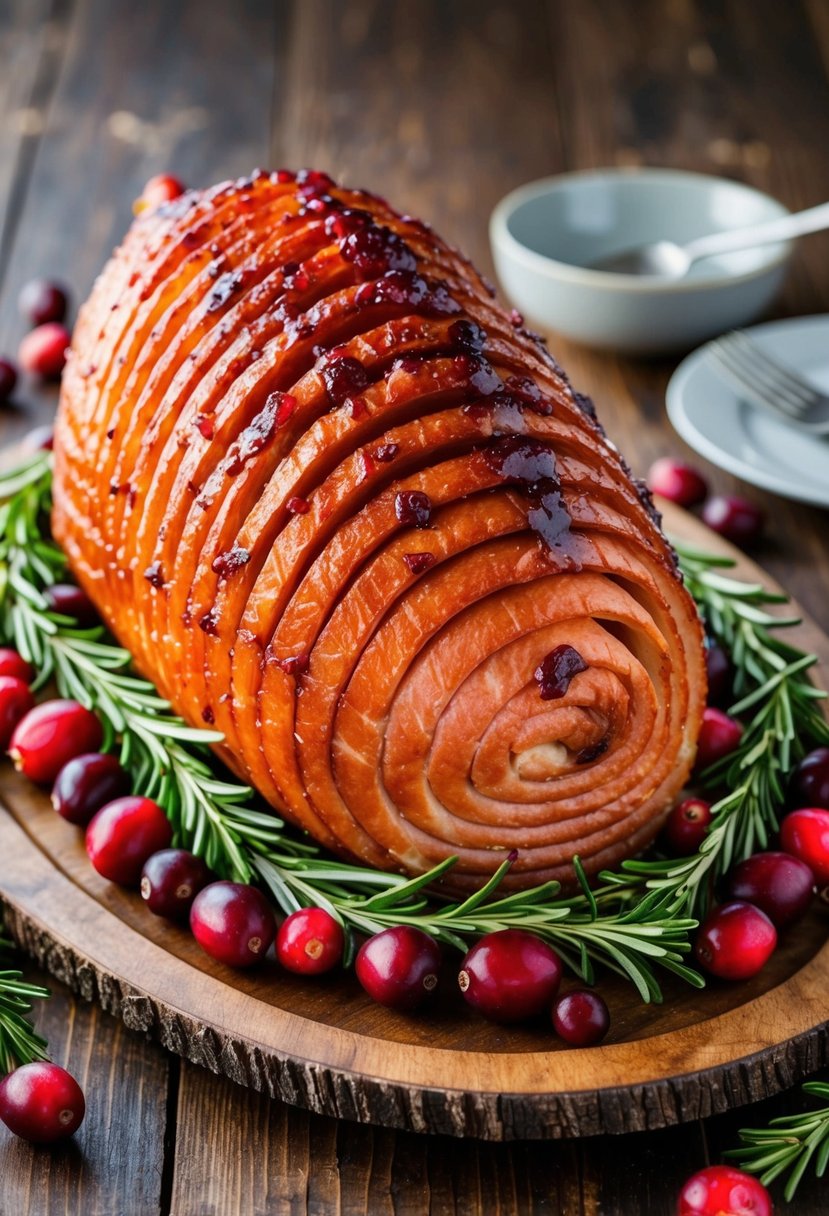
(772, 385)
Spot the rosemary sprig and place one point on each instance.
(19, 1041)
(788, 1144)
(627, 941)
(635, 921)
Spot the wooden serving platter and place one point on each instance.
(324, 1045)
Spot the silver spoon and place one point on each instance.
(666, 260)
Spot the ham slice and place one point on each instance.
(339, 504)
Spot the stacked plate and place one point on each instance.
(714, 419)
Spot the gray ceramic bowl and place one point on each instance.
(545, 235)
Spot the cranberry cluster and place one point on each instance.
(735, 518)
(43, 304)
(508, 976)
(41, 1102)
(770, 890)
(764, 894)
(42, 352)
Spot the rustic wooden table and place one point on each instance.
(442, 107)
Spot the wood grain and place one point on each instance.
(32, 38)
(319, 1166)
(325, 1046)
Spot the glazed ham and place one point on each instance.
(344, 508)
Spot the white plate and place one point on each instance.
(747, 441)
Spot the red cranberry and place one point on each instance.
(810, 780)
(734, 518)
(68, 600)
(510, 975)
(677, 481)
(162, 188)
(722, 1190)
(52, 734)
(719, 735)
(556, 670)
(41, 1102)
(233, 923)
(778, 884)
(419, 563)
(39, 439)
(805, 834)
(735, 941)
(375, 250)
(170, 881)
(581, 1018)
(15, 702)
(310, 941)
(85, 784)
(386, 452)
(13, 664)
(123, 834)
(43, 351)
(413, 508)
(8, 379)
(41, 301)
(399, 967)
(344, 377)
(720, 674)
(686, 826)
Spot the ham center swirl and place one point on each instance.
(344, 508)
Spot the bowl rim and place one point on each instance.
(503, 240)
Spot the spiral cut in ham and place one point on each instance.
(341, 506)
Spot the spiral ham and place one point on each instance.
(341, 506)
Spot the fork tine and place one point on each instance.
(781, 374)
(778, 365)
(756, 371)
(749, 387)
(743, 366)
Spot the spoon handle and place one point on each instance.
(783, 229)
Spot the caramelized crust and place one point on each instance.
(339, 504)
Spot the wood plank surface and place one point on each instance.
(119, 1150)
(442, 108)
(32, 40)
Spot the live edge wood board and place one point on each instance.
(324, 1045)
